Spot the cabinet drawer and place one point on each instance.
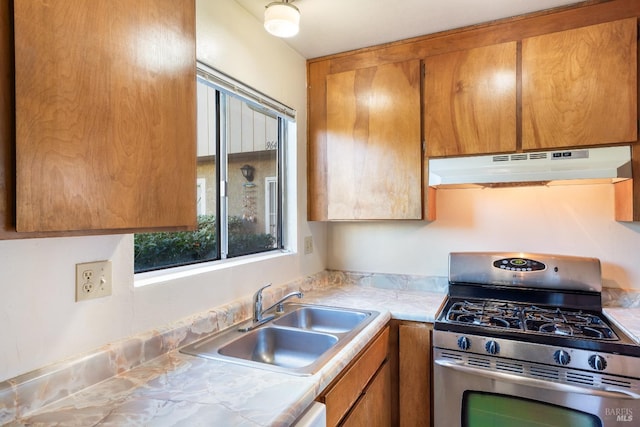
(341, 396)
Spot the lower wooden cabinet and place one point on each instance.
(373, 409)
(388, 383)
(411, 367)
(362, 394)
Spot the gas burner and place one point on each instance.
(566, 322)
(476, 319)
(556, 328)
(581, 330)
(530, 319)
(488, 313)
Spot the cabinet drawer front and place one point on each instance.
(342, 395)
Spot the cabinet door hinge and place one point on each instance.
(424, 146)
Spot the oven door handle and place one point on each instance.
(549, 385)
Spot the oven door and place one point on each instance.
(473, 396)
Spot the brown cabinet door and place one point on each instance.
(105, 115)
(373, 409)
(579, 87)
(374, 154)
(341, 395)
(470, 101)
(414, 367)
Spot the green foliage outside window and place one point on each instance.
(243, 240)
(166, 249)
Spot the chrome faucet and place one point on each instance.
(258, 312)
(257, 304)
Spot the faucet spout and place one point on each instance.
(258, 312)
(280, 304)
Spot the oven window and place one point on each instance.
(497, 410)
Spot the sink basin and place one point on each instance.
(282, 347)
(299, 341)
(321, 319)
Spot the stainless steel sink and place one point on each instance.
(320, 319)
(299, 341)
(282, 347)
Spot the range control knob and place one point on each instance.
(561, 357)
(464, 343)
(597, 362)
(492, 347)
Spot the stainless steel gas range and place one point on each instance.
(522, 340)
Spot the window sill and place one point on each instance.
(167, 275)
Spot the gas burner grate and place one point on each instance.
(530, 318)
(500, 315)
(567, 323)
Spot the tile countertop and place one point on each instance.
(178, 389)
(627, 318)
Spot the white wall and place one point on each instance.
(570, 220)
(41, 322)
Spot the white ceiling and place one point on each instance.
(332, 26)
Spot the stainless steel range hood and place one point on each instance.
(581, 166)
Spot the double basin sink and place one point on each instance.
(299, 341)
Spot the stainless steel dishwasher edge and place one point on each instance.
(314, 416)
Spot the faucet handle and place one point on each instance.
(259, 292)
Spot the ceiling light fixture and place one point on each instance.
(282, 19)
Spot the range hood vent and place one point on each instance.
(582, 166)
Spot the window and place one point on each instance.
(496, 410)
(240, 176)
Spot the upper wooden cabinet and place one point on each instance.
(579, 87)
(105, 115)
(470, 101)
(548, 80)
(373, 152)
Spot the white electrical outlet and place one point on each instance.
(93, 280)
(308, 245)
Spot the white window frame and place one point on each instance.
(224, 84)
(270, 208)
